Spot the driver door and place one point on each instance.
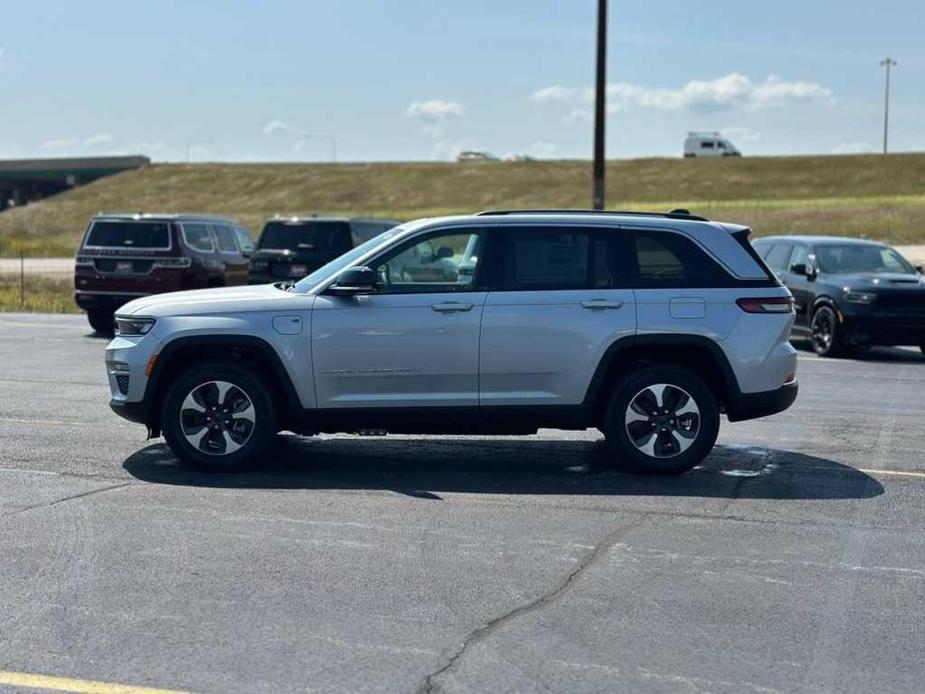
(415, 341)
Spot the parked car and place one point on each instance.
(289, 248)
(126, 256)
(647, 327)
(699, 145)
(849, 293)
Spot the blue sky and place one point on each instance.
(420, 80)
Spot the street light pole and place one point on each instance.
(600, 105)
(889, 63)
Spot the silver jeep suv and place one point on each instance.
(647, 327)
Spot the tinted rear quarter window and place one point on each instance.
(667, 259)
(119, 234)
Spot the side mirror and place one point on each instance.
(355, 281)
(444, 252)
(803, 269)
(920, 269)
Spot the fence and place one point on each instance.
(37, 284)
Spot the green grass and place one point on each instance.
(39, 294)
(873, 196)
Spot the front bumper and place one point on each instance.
(754, 405)
(885, 329)
(135, 412)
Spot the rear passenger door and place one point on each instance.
(679, 288)
(557, 302)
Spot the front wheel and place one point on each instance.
(102, 322)
(662, 420)
(218, 417)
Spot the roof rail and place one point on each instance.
(673, 214)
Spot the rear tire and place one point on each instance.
(661, 420)
(218, 417)
(102, 322)
(826, 334)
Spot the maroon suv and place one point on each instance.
(124, 256)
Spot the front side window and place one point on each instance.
(800, 257)
(443, 263)
(197, 237)
(224, 237)
(244, 239)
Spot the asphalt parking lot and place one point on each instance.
(793, 560)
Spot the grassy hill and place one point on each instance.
(873, 196)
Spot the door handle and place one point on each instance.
(601, 304)
(451, 307)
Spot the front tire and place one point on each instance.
(661, 420)
(102, 322)
(218, 417)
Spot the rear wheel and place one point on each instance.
(218, 417)
(101, 321)
(662, 420)
(826, 334)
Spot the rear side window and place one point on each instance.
(556, 258)
(224, 237)
(665, 259)
(778, 256)
(118, 234)
(197, 237)
(365, 230)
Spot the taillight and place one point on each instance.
(772, 304)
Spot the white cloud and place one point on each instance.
(62, 143)
(741, 135)
(435, 110)
(728, 92)
(275, 127)
(97, 140)
(853, 148)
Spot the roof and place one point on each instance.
(296, 218)
(169, 216)
(819, 240)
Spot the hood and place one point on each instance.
(259, 297)
(880, 281)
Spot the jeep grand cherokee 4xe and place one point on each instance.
(124, 256)
(647, 327)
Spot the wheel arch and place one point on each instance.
(185, 352)
(694, 352)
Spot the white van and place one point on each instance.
(709, 145)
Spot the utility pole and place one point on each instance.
(888, 63)
(600, 105)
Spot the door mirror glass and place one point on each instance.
(355, 281)
(798, 269)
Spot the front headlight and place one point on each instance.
(853, 297)
(129, 327)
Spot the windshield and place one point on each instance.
(330, 237)
(850, 258)
(129, 235)
(344, 261)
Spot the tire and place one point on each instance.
(200, 395)
(102, 322)
(825, 333)
(683, 442)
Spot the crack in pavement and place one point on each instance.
(70, 497)
(485, 630)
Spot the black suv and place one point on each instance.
(849, 293)
(291, 247)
